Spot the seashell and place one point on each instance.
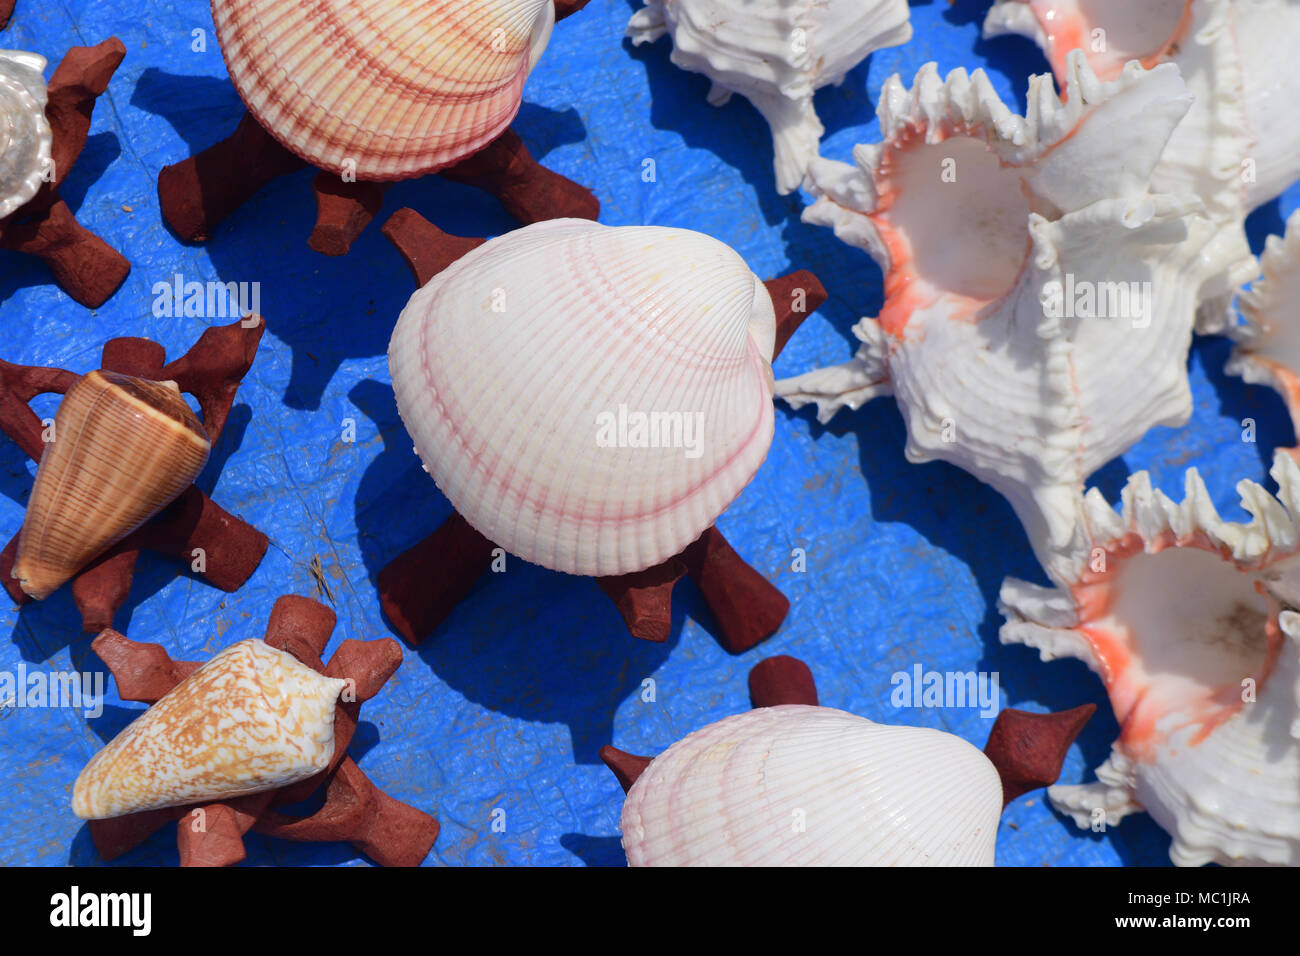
(253, 718)
(1239, 145)
(1268, 346)
(25, 135)
(123, 448)
(1166, 604)
(1001, 364)
(588, 397)
(866, 794)
(382, 89)
(776, 54)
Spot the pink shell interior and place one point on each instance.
(1175, 628)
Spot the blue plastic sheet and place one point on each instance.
(506, 708)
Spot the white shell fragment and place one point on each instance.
(1268, 343)
(253, 718)
(1239, 145)
(776, 54)
(1167, 605)
(25, 135)
(589, 398)
(813, 786)
(1039, 298)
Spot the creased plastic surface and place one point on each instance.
(499, 717)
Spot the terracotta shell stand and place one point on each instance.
(211, 371)
(421, 586)
(355, 811)
(196, 194)
(1027, 749)
(84, 266)
(6, 11)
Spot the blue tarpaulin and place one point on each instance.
(500, 716)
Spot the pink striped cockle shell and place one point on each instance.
(1039, 297)
(382, 89)
(1239, 145)
(1268, 342)
(1168, 606)
(25, 135)
(813, 786)
(776, 54)
(252, 718)
(523, 370)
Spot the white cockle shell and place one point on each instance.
(1268, 341)
(813, 786)
(382, 89)
(1239, 145)
(1167, 606)
(522, 370)
(252, 718)
(776, 54)
(25, 135)
(990, 228)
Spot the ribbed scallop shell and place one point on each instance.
(1170, 606)
(813, 786)
(251, 719)
(386, 89)
(513, 366)
(123, 449)
(24, 131)
(1239, 146)
(986, 225)
(776, 54)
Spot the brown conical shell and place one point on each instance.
(122, 449)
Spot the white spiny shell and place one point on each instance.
(1201, 665)
(1239, 145)
(383, 89)
(253, 718)
(812, 786)
(1268, 344)
(776, 54)
(990, 229)
(515, 366)
(24, 131)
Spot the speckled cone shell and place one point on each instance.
(25, 135)
(813, 786)
(253, 718)
(517, 368)
(384, 89)
(123, 449)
